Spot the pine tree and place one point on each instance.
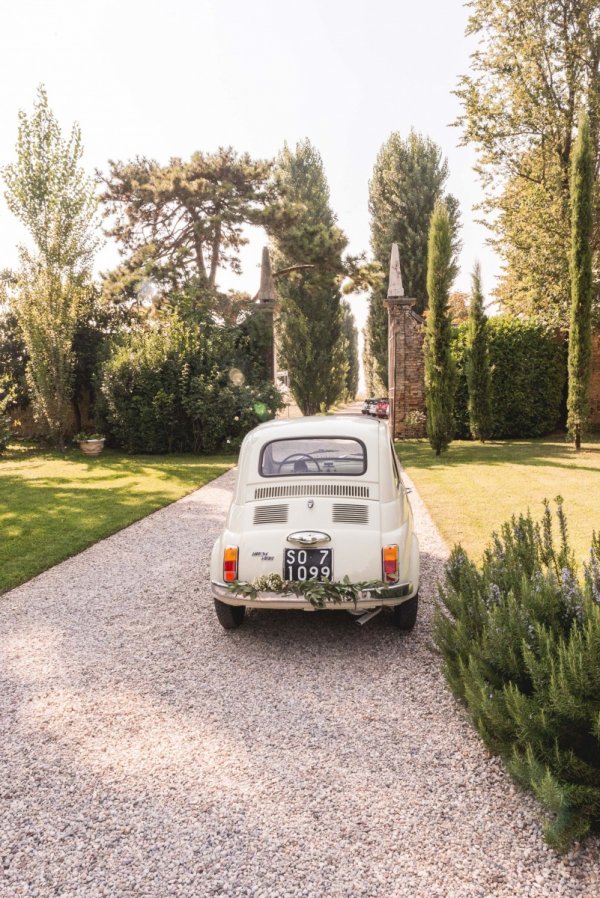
(179, 224)
(409, 177)
(311, 319)
(478, 363)
(439, 365)
(580, 331)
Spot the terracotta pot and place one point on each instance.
(91, 447)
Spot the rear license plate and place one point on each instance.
(308, 564)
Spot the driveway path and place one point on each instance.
(146, 752)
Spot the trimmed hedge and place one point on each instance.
(529, 371)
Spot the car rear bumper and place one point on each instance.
(392, 595)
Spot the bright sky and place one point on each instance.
(161, 79)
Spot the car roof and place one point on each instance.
(319, 425)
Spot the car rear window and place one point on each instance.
(312, 456)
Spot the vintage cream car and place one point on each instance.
(318, 499)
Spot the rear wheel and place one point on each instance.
(230, 616)
(405, 615)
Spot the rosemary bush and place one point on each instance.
(520, 642)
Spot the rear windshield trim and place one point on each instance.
(314, 473)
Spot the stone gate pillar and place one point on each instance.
(266, 298)
(406, 368)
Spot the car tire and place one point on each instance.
(230, 616)
(405, 615)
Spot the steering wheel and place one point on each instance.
(297, 456)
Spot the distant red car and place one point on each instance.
(382, 409)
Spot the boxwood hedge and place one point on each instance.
(529, 370)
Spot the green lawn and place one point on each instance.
(53, 505)
(471, 489)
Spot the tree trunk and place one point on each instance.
(77, 414)
(198, 246)
(214, 260)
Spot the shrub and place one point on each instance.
(520, 642)
(528, 379)
(415, 424)
(173, 390)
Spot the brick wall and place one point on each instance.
(405, 366)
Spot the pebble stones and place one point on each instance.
(146, 753)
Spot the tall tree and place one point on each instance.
(372, 382)
(311, 316)
(409, 177)
(350, 334)
(439, 364)
(48, 190)
(478, 363)
(535, 67)
(580, 332)
(179, 223)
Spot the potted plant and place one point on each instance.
(90, 444)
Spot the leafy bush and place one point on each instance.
(415, 424)
(176, 389)
(528, 379)
(520, 642)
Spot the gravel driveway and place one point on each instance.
(146, 752)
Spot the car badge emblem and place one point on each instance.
(308, 537)
(310, 503)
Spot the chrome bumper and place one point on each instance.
(391, 595)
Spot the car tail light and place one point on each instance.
(390, 564)
(230, 564)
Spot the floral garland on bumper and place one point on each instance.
(318, 592)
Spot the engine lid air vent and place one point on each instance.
(349, 490)
(271, 514)
(350, 514)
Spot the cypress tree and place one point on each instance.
(350, 338)
(409, 177)
(311, 341)
(439, 364)
(580, 268)
(478, 363)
